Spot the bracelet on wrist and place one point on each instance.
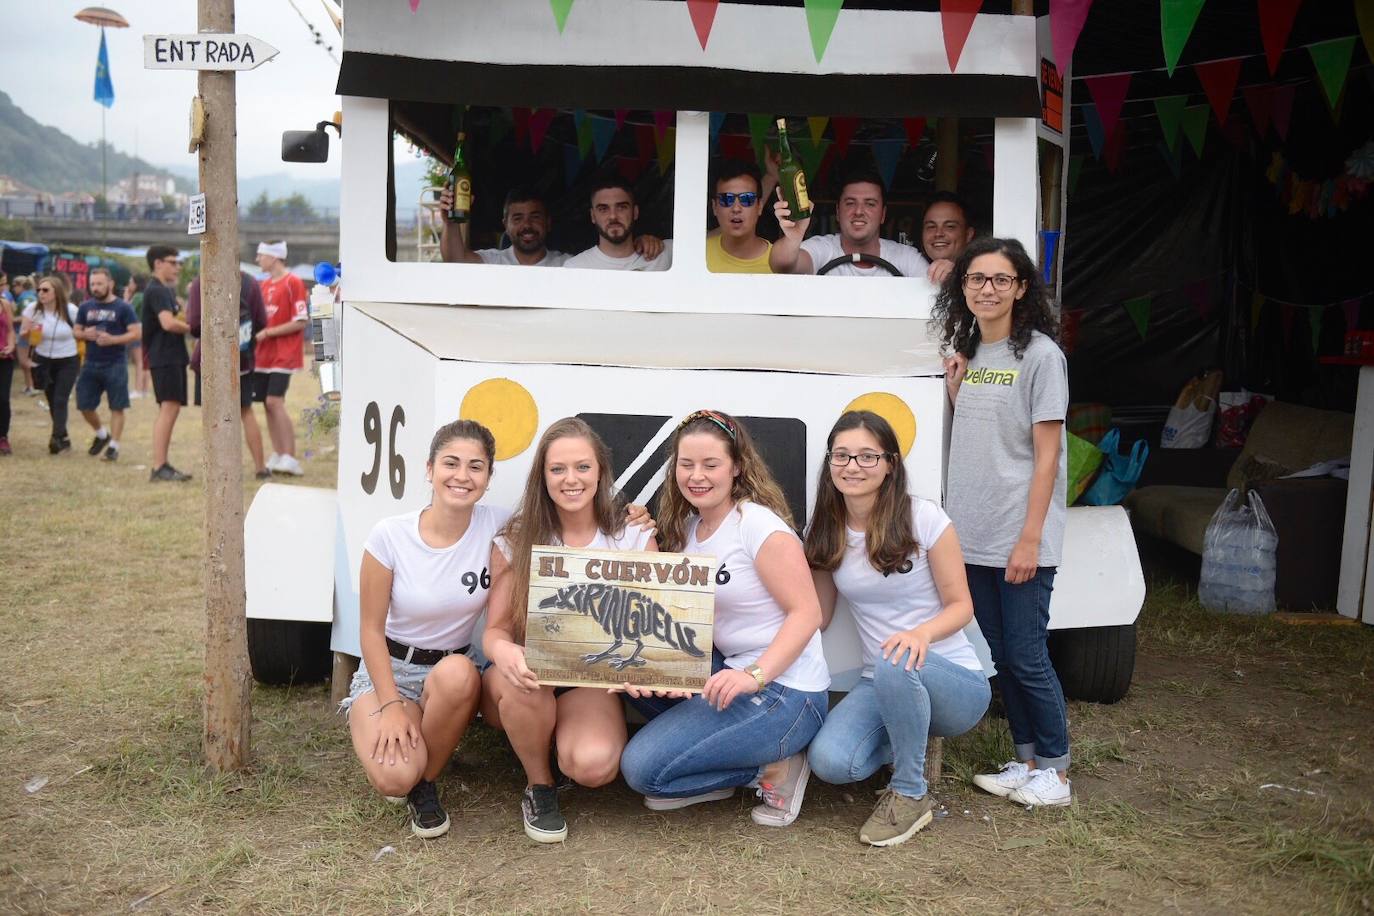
(378, 710)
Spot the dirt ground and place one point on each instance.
(1233, 778)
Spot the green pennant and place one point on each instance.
(1139, 310)
(1075, 172)
(817, 127)
(1176, 21)
(820, 21)
(1314, 323)
(1169, 110)
(584, 137)
(758, 133)
(1195, 126)
(1332, 61)
(561, 8)
(811, 154)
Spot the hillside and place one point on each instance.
(47, 159)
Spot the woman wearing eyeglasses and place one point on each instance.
(48, 324)
(1008, 381)
(766, 697)
(895, 558)
(736, 205)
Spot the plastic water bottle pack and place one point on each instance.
(1238, 557)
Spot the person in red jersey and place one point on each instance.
(278, 353)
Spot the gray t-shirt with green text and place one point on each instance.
(992, 454)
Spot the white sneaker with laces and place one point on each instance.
(782, 802)
(1044, 788)
(657, 803)
(287, 464)
(1013, 775)
(272, 460)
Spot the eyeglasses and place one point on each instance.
(719, 419)
(45, 289)
(745, 198)
(1000, 282)
(862, 459)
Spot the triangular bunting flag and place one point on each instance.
(662, 121)
(1096, 136)
(579, 115)
(1218, 78)
(572, 164)
(1314, 324)
(561, 8)
(820, 22)
(1332, 60)
(844, 133)
(539, 126)
(1256, 309)
(811, 155)
(1069, 321)
(1115, 146)
(630, 169)
(734, 146)
(758, 135)
(817, 127)
(717, 119)
(584, 137)
(1260, 101)
(1281, 108)
(1351, 308)
(645, 148)
(915, 129)
(620, 115)
(521, 117)
(1199, 293)
(666, 148)
(1066, 22)
(603, 132)
(1194, 122)
(1139, 310)
(1050, 244)
(1364, 15)
(414, 5)
(703, 14)
(1176, 21)
(956, 20)
(1075, 172)
(887, 153)
(1169, 110)
(1276, 21)
(1108, 93)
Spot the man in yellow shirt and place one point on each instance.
(737, 202)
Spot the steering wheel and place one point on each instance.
(858, 258)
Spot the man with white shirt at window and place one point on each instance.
(524, 216)
(614, 213)
(861, 211)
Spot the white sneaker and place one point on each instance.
(656, 803)
(1044, 788)
(782, 802)
(1011, 777)
(272, 460)
(287, 464)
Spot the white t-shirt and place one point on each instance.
(596, 259)
(886, 604)
(507, 256)
(632, 538)
(826, 248)
(59, 340)
(747, 616)
(437, 593)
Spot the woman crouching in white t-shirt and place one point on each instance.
(896, 560)
(767, 696)
(423, 585)
(568, 500)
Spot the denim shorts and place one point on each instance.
(409, 677)
(107, 378)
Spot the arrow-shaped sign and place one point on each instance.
(205, 51)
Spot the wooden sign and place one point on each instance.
(605, 617)
(205, 51)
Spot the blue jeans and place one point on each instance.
(887, 718)
(110, 378)
(691, 748)
(1015, 620)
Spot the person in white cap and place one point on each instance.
(278, 353)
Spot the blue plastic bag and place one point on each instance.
(1119, 473)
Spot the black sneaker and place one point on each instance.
(264, 474)
(428, 819)
(54, 445)
(112, 453)
(167, 472)
(543, 821)
(98, 443)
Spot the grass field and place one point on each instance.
(1235, 776)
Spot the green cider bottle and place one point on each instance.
(460, 183)
(791, 177)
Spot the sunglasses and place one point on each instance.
(745, 198)
(719, 419)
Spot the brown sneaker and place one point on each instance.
(895, 818)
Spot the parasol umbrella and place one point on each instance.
(105, 18)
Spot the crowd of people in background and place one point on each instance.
(121, 345)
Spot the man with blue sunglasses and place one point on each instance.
(736, 204)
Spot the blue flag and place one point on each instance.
(104, 88)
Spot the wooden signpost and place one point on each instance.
(606, 617)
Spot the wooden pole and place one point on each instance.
(947, 160)
(228, 677)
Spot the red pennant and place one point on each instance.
(1069, 321)
(703, 16)
(522, 123)
(1260, 101)
(1114, 147)
(645, 147)
(956, 20)
(844, 133)
(662, 121)
(1276, 21)
(915, 129)
(735, 146)
(539, 126)
(1218, 78)
(1108, 92)
(1281, 108)
(620, 115)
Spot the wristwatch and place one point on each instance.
(756, 673)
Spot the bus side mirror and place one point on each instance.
(307, 145)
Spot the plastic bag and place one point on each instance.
(1119, 473)
(1238, 558)
(1237, 413)
(1084, 460)
(1190, 419)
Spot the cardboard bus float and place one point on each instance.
(419, 344)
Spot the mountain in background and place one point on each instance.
(46, 159)
(322, 193)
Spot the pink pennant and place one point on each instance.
(956, 19)
(844, 133)
(1218, 78)
(1281, 109)
(539, 127)
(662, 121)
(620, 115)
(1066, 22)
(703, 14)
(1260, 101)
(414, 5)
(915, 129)
(1108, 92)
(1276, 21)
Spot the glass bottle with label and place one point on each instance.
(791, 177)
(460, 183)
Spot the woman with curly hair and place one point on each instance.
(1008, 381)
(766, 697)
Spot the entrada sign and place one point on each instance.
(205, 51)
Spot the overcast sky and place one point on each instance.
(48, 69)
